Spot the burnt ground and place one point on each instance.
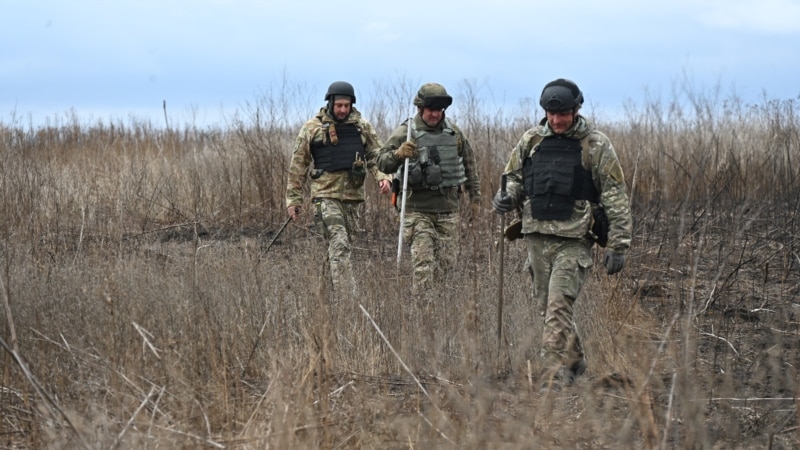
(710, 350)
(725, 310)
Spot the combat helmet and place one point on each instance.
(433, 96)
(341, 88)
(561, 95)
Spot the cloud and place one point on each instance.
(382, 31)
(102, 55)
(765, 16)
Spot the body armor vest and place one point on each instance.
(438, 163)
(338, 149)
(554, 178)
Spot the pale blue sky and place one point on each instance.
(111, 60)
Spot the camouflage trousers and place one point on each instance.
(559, 267)
(433, 239)
(336, 221)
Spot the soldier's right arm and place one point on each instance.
(298, 168)
(515, 187)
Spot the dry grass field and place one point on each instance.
(141, 308)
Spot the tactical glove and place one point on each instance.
(502, 202)
(613, 261)
(407, 149)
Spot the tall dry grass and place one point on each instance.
(141, 309)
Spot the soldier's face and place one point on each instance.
(341, 108)
(432, 117)
(560, 121)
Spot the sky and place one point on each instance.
(210, 60)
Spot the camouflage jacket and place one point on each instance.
(606, 174)
(341, 185)
(433, 201)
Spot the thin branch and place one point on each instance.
(255, 409)
(668, 417)
(703, 333)
(146, 336)
(9, 317)
(745, 399)
(414, 377)
(193, 436)
(133, 417)
(44, 395)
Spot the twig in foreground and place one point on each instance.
(416, 380)
(49, 401)
(133, 417)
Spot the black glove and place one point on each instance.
(502, 202)
(613, 261)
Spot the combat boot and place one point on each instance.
(551, 381)
(577, 369)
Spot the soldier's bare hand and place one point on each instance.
(386, 186)
(474, 211)
(294, 212)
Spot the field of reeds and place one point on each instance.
(148, 303)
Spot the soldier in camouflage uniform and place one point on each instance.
(441, 161)
(335, 149)
(564, 174)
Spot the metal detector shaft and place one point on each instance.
(500, 270)
(274, 238)
(403, 200)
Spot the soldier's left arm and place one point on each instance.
(473, 183)
(607, 170)
(372, 146)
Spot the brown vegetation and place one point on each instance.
(140, 309)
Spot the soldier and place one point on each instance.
(566, 177)
(441, 161)
(341, 145)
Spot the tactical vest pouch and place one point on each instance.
(433, 175)
(358, 173)
(514, 230)
(432, 169)
(414, 174)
